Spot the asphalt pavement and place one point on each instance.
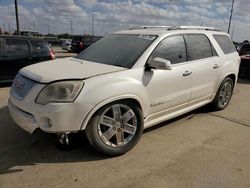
(200, 149)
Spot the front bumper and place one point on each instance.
(53, 117)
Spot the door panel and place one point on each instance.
(168, 88)
(205, 77)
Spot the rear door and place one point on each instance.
(16, 56)
(205, 67)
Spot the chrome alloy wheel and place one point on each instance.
(225, 94)
(117, 125)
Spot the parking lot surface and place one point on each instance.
(200, 149)
(60, 53)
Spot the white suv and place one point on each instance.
(126, 82)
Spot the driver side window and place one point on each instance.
(172, 48)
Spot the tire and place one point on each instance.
(115, 128)
(223, 94)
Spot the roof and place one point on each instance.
(20, 37)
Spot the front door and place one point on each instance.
(169, 90)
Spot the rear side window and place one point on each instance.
(173, 49)
(225, 43)
(199, 47)
(16, 47)
(40, 47)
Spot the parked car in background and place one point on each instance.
(126, 82)
(244, 49)
(53, 41)
(28, 33)
(245, 65)
(17, 52)
(244, 52)
(79, 43)
(66, 45)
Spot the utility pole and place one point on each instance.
(48, 28)
(233, 34)
(17, 20)
(230, 19)
(93, 21)
(71, 27)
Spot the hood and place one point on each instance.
(66, 68)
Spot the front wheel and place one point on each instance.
(224, 94)
(115, 128)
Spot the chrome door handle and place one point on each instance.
(187, 73)
(216, 66)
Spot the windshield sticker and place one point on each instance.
(147, 37)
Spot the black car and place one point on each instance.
(244, 52)
(53, 41)
(79, 43)
(17, 52)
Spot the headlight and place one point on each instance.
(64, 91)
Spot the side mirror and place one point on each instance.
(160, 63)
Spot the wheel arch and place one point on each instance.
(229, 75)
(233, 77)
(131, 98)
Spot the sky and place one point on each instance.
(75, 16)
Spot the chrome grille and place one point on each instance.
(21, 86)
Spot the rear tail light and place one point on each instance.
(81, 44)
(52, 54)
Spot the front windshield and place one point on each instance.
(119, 49)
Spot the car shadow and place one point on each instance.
(244, 80)
(19, 148)
(7, 84)
(202, 110)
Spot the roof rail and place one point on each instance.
(148, 27)
(175, 27)
(193, 27)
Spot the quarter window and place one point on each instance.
(199, 47)
(40, 47)
(225, 43)
(173, 49)
(16, 47)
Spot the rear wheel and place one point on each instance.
(115, 128)
(224, 94)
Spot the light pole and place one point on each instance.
(230, 19)
(93, 21)
(17, 20)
